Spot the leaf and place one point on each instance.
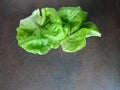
(75, 41)
(92, 28)
(74, 16)
(39, 34)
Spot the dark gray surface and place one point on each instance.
(96, 67)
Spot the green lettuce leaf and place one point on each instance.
(73, 16)
(92, 28)
(38, 34)
(75, 41)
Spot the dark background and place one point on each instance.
(96, 67)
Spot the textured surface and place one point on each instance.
(96, 67)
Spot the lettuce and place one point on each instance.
(41, 32)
